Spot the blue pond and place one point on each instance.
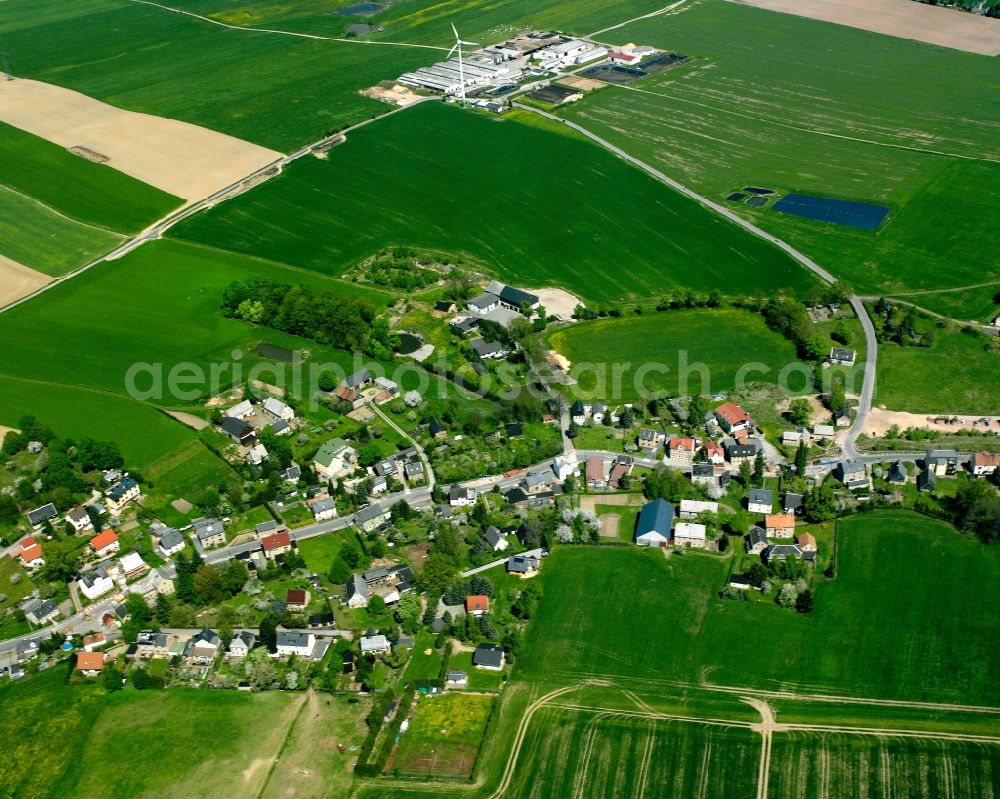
(863, 216)
(363, 8)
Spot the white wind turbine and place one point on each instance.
(461, 68)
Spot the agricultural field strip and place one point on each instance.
(897, 299)
(59, 213)
(285, 33)
(778, 123)
(650, 15)
(157, 229)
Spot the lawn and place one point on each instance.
(286, 91)
(320, 551)
(14, 590)
(425, 660)
(680, 352)
(639, 240)
(950, 377)
(479, 679)
(444, 735)
(851, 767)
(974, 304)
(71, 185)
(37, 237)
(916, 580)
(185, 473)
(627, 516)
(767, 101)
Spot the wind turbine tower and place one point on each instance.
(461, 67)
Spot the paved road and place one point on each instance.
(868, 387)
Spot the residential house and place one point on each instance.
(241, 410)
(524, 565)
(79, 519)
(595, 474)
(477, 604)
(619, 470)
(484, 303)
(319, 620)
(693, 508)
(984, 463)
(292, 474)
(756, 542)
(456, 679)
(740, 581)
(842, 417)
(515, 430)
(170, 542)
(296, 600)
(151, 644)
(374, 645)
(31, 554)
(897, 473)
(732, 418)
(460, 496)
(154, 585)
(94, 641)
(209, 532)
(781, 552)
(121, 494)
(578, 412)
(780, 525)
(266, 528)
(105, 544)
(334, 459)
(738, 453)
(379, 485)
(372, 517)
(714, 453)
(276, 544)
(242, 644)
(386, 390)
(943, 462)
(822, 431)
(323, 507)
(496, 539)
(853, 474)
(203, 646)
(488, 350)
(378, 575)
(690, 534)
(277, 409)
(927, 480)
(648, 439)
(703, 474)
(95, 583)
(40, 611)
(806, 542)
(38, 516)
(597, 412)
(489, 657)
(413, 471)
(537, 481)
(357, 592)
(89, 664)
(800, 435)
(132, 565)
(256, 455)
(238, 430)
(680, 451)
(842, 356)
(760, 500)
(280, 427)
(512, 298)
(792, 503)
(654, 523)
(295, 642)
(564, 466)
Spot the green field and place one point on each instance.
(969, 305)
(673, 347)
(855, 766)
(732, 117)
(37, 237)
(187, 473)
(319, 552)
(161, 735)
(68, 356)
(71, 185)
(893, 568)
(639, 239)
(444, 735)
(949, 377)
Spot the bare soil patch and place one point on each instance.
(17, 281)
(880, 420)
(584, 84)
(610, 524)
(186, 160)
(591, 501)
(182, 505)
(557, 302)
(189, 419)
(904, 19)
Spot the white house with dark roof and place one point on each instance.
(496, 539)
(294, 642)
(760, 500)
(277, 409)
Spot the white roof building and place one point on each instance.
(241, 410)
(690, 534)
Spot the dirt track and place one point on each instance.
(18, 281)
(185, 160)
(904, 19)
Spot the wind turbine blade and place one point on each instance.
(472, 44)
(456, 46)
(454, 29)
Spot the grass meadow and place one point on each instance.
(855, 766)
(788, 103)
(275, 90)
(37, 237)
(955, 375)
(71, 185)
(535, 208)
(976, 304)
(724, 341)
(917, 581)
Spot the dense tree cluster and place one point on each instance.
(323, 316)
(399, 269)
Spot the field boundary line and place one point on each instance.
(889, 732)
(789, 126)
(57, 212)
(296, 34)
(653, 715)
(284, 743)
(650, 15)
